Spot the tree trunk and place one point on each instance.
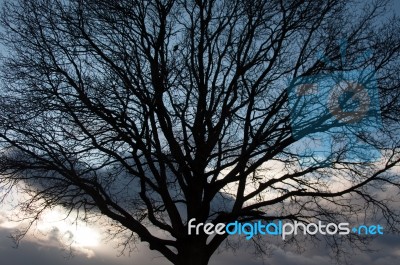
(193, 252)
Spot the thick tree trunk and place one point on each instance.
(187, 259)
(193, 252)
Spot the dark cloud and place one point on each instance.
(385, 251)
(34, 253)
(51, 251)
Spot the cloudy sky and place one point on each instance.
(46, 245)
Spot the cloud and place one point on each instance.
(49, 251)
(37, 253)
(385, 251)
(49, 248)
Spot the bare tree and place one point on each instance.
(153, 113)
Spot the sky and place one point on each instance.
(46, 245)
(47, 248)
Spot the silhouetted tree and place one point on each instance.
(156, 112)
